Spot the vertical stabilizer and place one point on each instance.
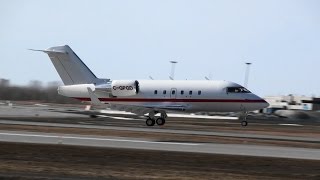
(69, 66)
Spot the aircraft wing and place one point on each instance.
(141, 110)
(136, 109)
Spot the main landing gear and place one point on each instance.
(152, 120)
(243, 119)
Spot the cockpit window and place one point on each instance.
(237, 90)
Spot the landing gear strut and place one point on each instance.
(152, 120)
(243, 119)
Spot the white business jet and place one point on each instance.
(150, 97)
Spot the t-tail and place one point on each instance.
(70, 67)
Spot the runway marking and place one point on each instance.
(202, 116)
(98, 139)
(111, 126)
(116, 112)
(290, 125)
(86, 123)
(122, 118)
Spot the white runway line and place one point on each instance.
(202, 116)
(98, 139)
(290, 124)
(122, 118)
(86, 123)
(116, 112)
(313, 139)
(174, 115)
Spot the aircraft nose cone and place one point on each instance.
(264, 103)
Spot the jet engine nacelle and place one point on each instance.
(124, 88)
(118, 88)
(78, 90)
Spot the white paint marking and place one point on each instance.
(173, 115)
(85, 123)
(122, 118)
(201, 116)
(98, 139)
(290, 125)
(116, 112)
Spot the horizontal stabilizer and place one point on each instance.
(48, 51)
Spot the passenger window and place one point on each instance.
(173, 92)
(199, 92)
(164, 92)
(190, 92)
(155, 91)
(182, 92)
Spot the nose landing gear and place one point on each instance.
(243, 118)
(244, 123)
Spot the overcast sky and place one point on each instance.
(136, 39)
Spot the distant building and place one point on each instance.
(292, 102)
(4, 82)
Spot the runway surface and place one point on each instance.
(102, 141)
(182, 125)
(162, 130)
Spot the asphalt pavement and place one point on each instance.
(212, 148)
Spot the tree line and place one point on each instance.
(34, 91)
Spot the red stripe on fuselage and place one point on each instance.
(173, 100)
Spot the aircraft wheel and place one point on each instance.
(244, 123)
(160, 121)
(150, 122)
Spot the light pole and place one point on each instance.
(173, 64)
(246, 78)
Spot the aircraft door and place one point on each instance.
(173, 93)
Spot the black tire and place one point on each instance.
(160, 121)
(244, 123)
(93, 116)
(150, 122)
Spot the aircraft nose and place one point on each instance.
(264, 103)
